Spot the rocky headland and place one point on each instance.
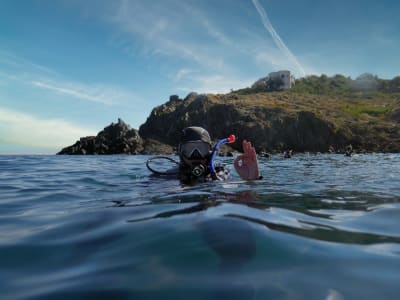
(274, 121)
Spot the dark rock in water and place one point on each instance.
(117, 138)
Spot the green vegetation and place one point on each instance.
(337, 99)
(323, 85)
(373, 110)
(338, 84)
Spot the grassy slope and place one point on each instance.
(357, 109)
(370, 116)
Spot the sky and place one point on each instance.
(69, 68)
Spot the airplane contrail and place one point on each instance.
(277, 39)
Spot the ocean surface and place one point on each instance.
(100, 227)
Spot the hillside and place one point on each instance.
(318, 114)
(276, 121)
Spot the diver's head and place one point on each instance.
(195, 149)
(195, 143)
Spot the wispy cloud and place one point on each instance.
(277, 39)
(182, 73)
(40, 77)
(272, 57)
(79, 91)
(214, 84)
(171, 30)
(28, 130)
(15, 62)
(187, 35)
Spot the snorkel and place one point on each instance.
(229, 139)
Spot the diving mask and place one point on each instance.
(195, 150)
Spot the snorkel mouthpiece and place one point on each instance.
(230, 139)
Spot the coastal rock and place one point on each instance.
(267, 128)
(273, 122)
(117, 138)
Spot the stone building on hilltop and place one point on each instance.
(280, 80)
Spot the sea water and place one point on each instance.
(100, 227)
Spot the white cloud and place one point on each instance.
(273, 58)
(277, 39)
(100, 93)
(80, 91)
(8, 76)
(28, 130)
(216, 84)
(185, 32)
(182, 73)
(37, 76)
(15, 62)
(169, 30)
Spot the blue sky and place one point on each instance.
(69, 68)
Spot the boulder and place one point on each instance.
(117, 138)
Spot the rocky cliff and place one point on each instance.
(116, 138)
(272, 121)
(269, 128)
(282, 120)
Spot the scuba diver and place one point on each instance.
(287, 154)
(197, 156)
(349, 150)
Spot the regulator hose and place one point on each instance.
(172, 172)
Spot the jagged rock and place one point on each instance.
(117, 138)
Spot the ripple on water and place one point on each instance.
(316, 226)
